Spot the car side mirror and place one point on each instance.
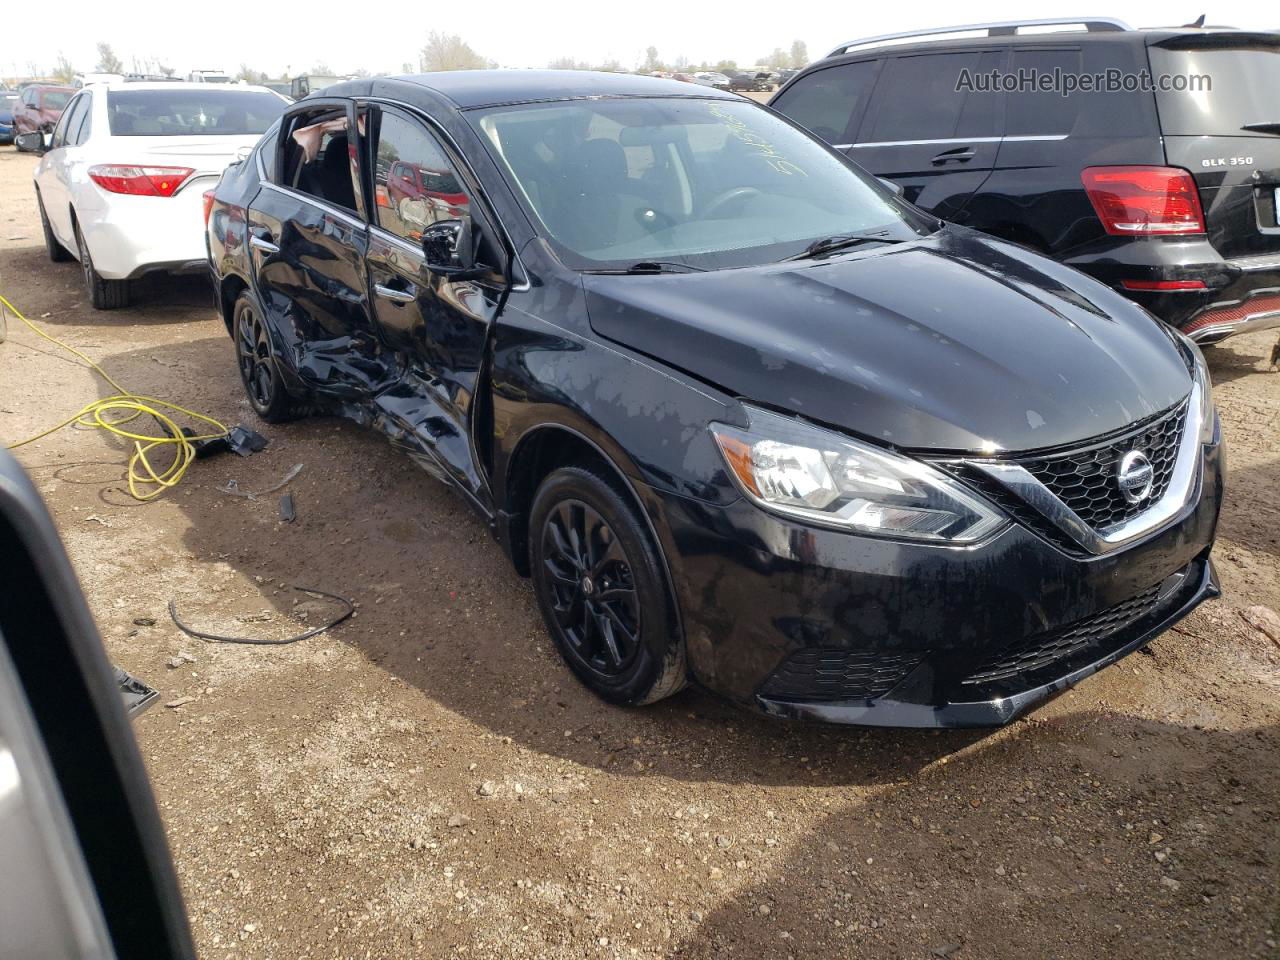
(450, 250)
(897, 188)
(31, 142)
(87, 872)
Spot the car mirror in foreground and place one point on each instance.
(31, 142)
(86, 871)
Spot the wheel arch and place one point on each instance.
(539, 451)
(229, 289)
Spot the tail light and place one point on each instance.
(1163, 285)
(207, 199)
(1144, 201)
(140, 181)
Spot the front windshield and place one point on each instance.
(706, 183)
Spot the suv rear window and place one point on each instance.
(919, 100)
(1047, 112)
(177, 113)
(825, 101)
(1243, 86)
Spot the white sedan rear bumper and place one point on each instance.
(128, 236)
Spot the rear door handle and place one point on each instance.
(391, 293)
(266, 246)
(958, 155)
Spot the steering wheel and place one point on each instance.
(727, 197)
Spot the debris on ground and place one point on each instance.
(233, 488)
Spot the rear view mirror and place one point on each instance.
(30, 142)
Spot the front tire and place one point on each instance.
(259, 372)
(56, 251)
(601, 589)
(103, 294)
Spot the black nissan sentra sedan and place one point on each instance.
(745, 417)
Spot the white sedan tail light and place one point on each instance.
(140, 181)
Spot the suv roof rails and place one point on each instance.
(1006, 28)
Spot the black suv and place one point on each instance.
(740, 412)
(1167, 195)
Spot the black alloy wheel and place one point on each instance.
(258, 371)
(592, 588)
(602, 590)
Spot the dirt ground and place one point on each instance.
(427, 780)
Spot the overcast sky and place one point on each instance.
(380, 37)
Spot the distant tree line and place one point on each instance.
(442, 51)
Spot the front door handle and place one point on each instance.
(391, 293)
(266, 246)
(958, 155)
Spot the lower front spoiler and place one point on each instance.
(889, 712)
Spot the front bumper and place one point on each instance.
(1238, 295)
(905, 630)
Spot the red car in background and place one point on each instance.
(422, 196)
(38, 108)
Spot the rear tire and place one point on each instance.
(103, 294)
(56, 251)
(259, 372)
(602, 591)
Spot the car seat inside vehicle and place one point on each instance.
(321, 162)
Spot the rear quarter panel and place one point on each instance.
(226, 233)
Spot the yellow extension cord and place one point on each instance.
(145, 482)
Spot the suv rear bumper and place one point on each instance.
(1239, 295)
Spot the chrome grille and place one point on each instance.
(1085, 479)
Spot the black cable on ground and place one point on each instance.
(262, 641)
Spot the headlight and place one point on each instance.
(1208, 413)
(802, 471)
(1200, 374)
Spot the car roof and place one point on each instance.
(468, 89)
(175, 85)
(1150, 36)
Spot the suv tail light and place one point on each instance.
(140, 181)
(1144, 201)
(207, 199)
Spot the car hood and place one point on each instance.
(955, 342)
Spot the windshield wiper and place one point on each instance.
(649, 267)
(841, 241)
(1272, 126)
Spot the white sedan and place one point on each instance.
(121, 181)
